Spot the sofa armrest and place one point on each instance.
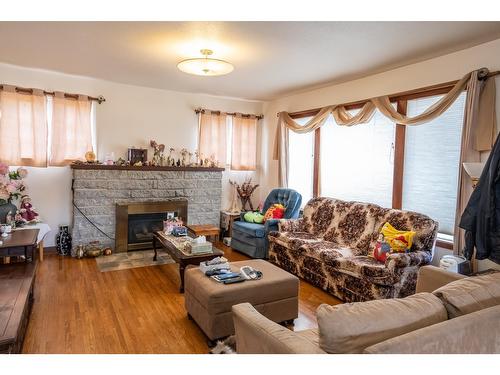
(291, 225)
(271, 225)
(255, 334)
(474, 333)
(431, 278)
(396, 261)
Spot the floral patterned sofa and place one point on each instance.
(329, 247)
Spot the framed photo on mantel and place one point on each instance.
(136, 155)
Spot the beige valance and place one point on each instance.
(483, 130)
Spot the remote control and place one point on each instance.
(238, 279)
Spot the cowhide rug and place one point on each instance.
(226, 346)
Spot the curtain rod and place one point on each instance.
(27, 90)
(202, 110)
(438, 89)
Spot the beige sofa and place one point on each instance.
(446, 326)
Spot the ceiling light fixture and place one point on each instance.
(205, 66)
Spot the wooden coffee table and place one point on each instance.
(19, 241)
(180, 257)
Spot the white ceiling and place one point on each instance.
(270, 58)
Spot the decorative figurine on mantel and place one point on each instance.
(245, 192)
(170, 157)
(158, 157)
(27, 211)
(184, 153)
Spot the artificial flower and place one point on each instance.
(4, 194)
(22, 172)
(4, 169)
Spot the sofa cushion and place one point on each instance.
(363, 267)
(470, 294)
(252, 229)
(293, 240)
(326, 249)
(352, 327)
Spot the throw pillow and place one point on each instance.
(390, 241)
(352, 327)
(253, 217)
(276, 211)
(470, 294)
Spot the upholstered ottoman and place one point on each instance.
(209, 303)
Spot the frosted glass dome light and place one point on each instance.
(205, 66)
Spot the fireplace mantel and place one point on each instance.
(143, 168)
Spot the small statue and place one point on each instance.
(178, 162)
(158, 157)
(190, 160)
(184, 153)
(27, 211)
(170, 157)
(121, 162)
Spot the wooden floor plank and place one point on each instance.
(78, 309)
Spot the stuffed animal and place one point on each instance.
(27, 210)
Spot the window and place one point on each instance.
(357, 161)
(37, 129)
(409, 167)
(431, 163)
(301, 161)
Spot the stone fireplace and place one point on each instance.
(100, 192)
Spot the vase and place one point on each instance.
(63, 240)
(4, 210)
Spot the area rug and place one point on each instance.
(226, 346)
(131, 259)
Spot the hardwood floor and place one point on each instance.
(78, 309)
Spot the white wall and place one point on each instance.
(131, 116)
(442, 69)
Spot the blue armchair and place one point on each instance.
(250, 238)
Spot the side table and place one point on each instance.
(226, 222)
(19, 242)
(204, 230)
(43, 230)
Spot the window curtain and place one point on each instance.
(23, 128)
(212, 136)
(478, 128)
(483, 134)
(244, 143)
(71, 129)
